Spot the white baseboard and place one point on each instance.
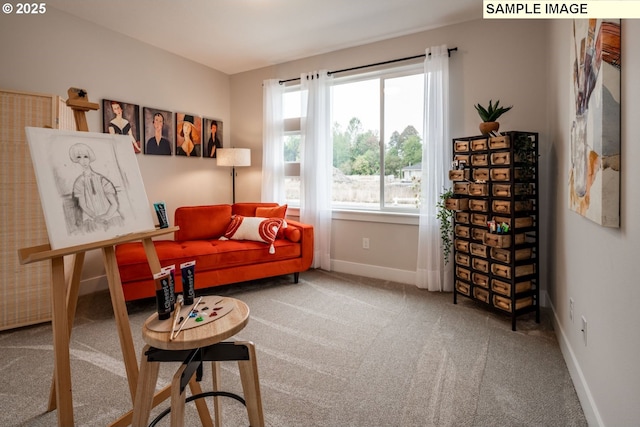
(375, 272)
(94, 284)
(589, 406)
(99, 283)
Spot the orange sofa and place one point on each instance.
(218, 262)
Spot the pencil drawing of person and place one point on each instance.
(94, 194)
(188, 133)
(121, 126)
(158, 144)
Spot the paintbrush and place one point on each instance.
(187, 317)
(176, 315)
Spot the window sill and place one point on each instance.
(366, 216)
(376, 216)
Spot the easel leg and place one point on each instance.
(152, 255)
(62, 369)
(72, 304)
(122, 318)
(145, 389)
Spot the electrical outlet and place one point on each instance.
(365, 243)
(584, 330)
(571, 309)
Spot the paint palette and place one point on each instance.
(210, 308)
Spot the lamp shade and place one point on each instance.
(234, 157)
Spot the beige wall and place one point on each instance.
(495, 60)
(594, 265)
(53, 52)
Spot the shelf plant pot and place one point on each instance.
(487, 127)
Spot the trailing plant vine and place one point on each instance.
(445, 217)
(525, 154)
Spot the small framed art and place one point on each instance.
(121, 118)
(159, 131)
(212, 130)
(188, 135)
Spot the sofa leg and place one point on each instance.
(296, 276)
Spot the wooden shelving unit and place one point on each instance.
(497, 181)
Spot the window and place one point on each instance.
(292, 138)
(377, 140)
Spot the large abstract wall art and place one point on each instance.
(594, 177)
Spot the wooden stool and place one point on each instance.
(192, 346)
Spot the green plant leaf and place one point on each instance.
(445, 218)
(492, 112)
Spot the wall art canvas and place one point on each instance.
(188, 135)
(121, 118)
(212, 130)
(89, 184)
(594, 178)
(159, 131)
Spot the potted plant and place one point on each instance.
(490, 115)
(445, 218)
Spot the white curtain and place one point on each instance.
(316, 164)
(273, 186)
(432, 273)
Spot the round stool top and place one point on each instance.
(202, 335)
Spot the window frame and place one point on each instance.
(293, 126)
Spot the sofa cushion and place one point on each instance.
(249, 209)
(257, 229)
(202, 222)
(293, 234)
(272, 212)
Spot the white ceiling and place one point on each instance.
(240, 35)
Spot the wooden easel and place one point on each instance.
(64, 297)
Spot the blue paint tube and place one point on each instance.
(172, 284)
(161, 212)
(188, 281)
(163, 299)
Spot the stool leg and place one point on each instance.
(201, 404)
(251, 385)
(145, 390)
(215, 375)
(177, 399)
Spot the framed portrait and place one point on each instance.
(212, 132)
(594, 175)
(89, 184)
(188, 135)
(159, 131)
(121, 118)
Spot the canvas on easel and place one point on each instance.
(90, 186)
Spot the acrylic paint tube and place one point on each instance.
(163, 299)
(161, 212)
(188, 281)
(172, 284)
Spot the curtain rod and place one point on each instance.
(408, 58)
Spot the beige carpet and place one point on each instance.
(333, 350)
